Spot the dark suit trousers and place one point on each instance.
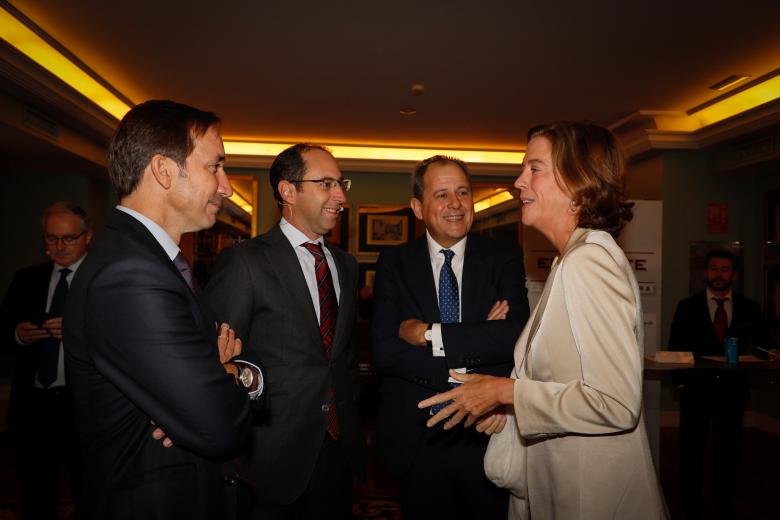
(719, 402)
(45, 438)
(447, 480)
(328, 494)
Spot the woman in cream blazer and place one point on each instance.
(573, 415)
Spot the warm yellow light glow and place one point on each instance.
(241, 202)
(33, 46)
(754, 96)
(729, 82)
(379, 153)
(494, 200)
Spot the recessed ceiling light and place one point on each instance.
(729, 82)
(407, 111)
(418, 89)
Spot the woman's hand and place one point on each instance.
(493, 422)
(478, 395)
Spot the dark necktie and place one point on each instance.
(49, 349)
(720, 321)
(328, 312)
(449, 301)
(183, 266)
(449, 304)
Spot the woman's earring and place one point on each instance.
(572, 207)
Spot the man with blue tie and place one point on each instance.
(40, 409)
(448, 300)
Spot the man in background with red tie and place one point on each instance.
(700, 325)
(292, 298)
(40, 409)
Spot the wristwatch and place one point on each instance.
(429, 335)
(247, 377)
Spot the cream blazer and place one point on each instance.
(578, 393)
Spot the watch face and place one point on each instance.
(246, 377)
(428, 335)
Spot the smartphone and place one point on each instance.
(39, 319)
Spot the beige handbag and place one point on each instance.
(505, 456)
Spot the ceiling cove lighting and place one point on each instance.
(379, 153)
(729, 82)
(493, 200)
(750, 97)
(20, 36)
(241, 202)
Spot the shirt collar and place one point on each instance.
(459, 248)
(295, 236)
(729, 296)
(159, 234)
(73, 267)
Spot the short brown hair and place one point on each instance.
(154, 127)
(290, 166)
(418, 178)
(590, 163)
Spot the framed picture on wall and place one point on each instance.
(339, 235)
(380, 227)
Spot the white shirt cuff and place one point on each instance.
(437, 343)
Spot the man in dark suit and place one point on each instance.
(700, 325)
(292, 296)
(448, 300)
(40, 408)
(140, 346)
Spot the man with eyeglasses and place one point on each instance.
(292, 297)
(40, 410)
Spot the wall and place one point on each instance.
(689, 184)
(367, 188)
(24, 197)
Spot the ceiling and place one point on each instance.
(338, 72)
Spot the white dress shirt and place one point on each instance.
(306, 259)
(437, 261)
(53, 281)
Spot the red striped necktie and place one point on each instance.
(329, 308)
(720, 321)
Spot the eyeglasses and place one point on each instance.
(68, 240)
(328, 184)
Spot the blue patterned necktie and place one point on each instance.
(449, 305)
(449, 301)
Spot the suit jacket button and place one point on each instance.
(325, 407)
(230, 480)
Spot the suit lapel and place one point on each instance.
(706, 319)
(127, 224)
(284, 261)
(40, 290)
(474, 279)
(421, 281)
(348, 293)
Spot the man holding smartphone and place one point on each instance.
(40, 410)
